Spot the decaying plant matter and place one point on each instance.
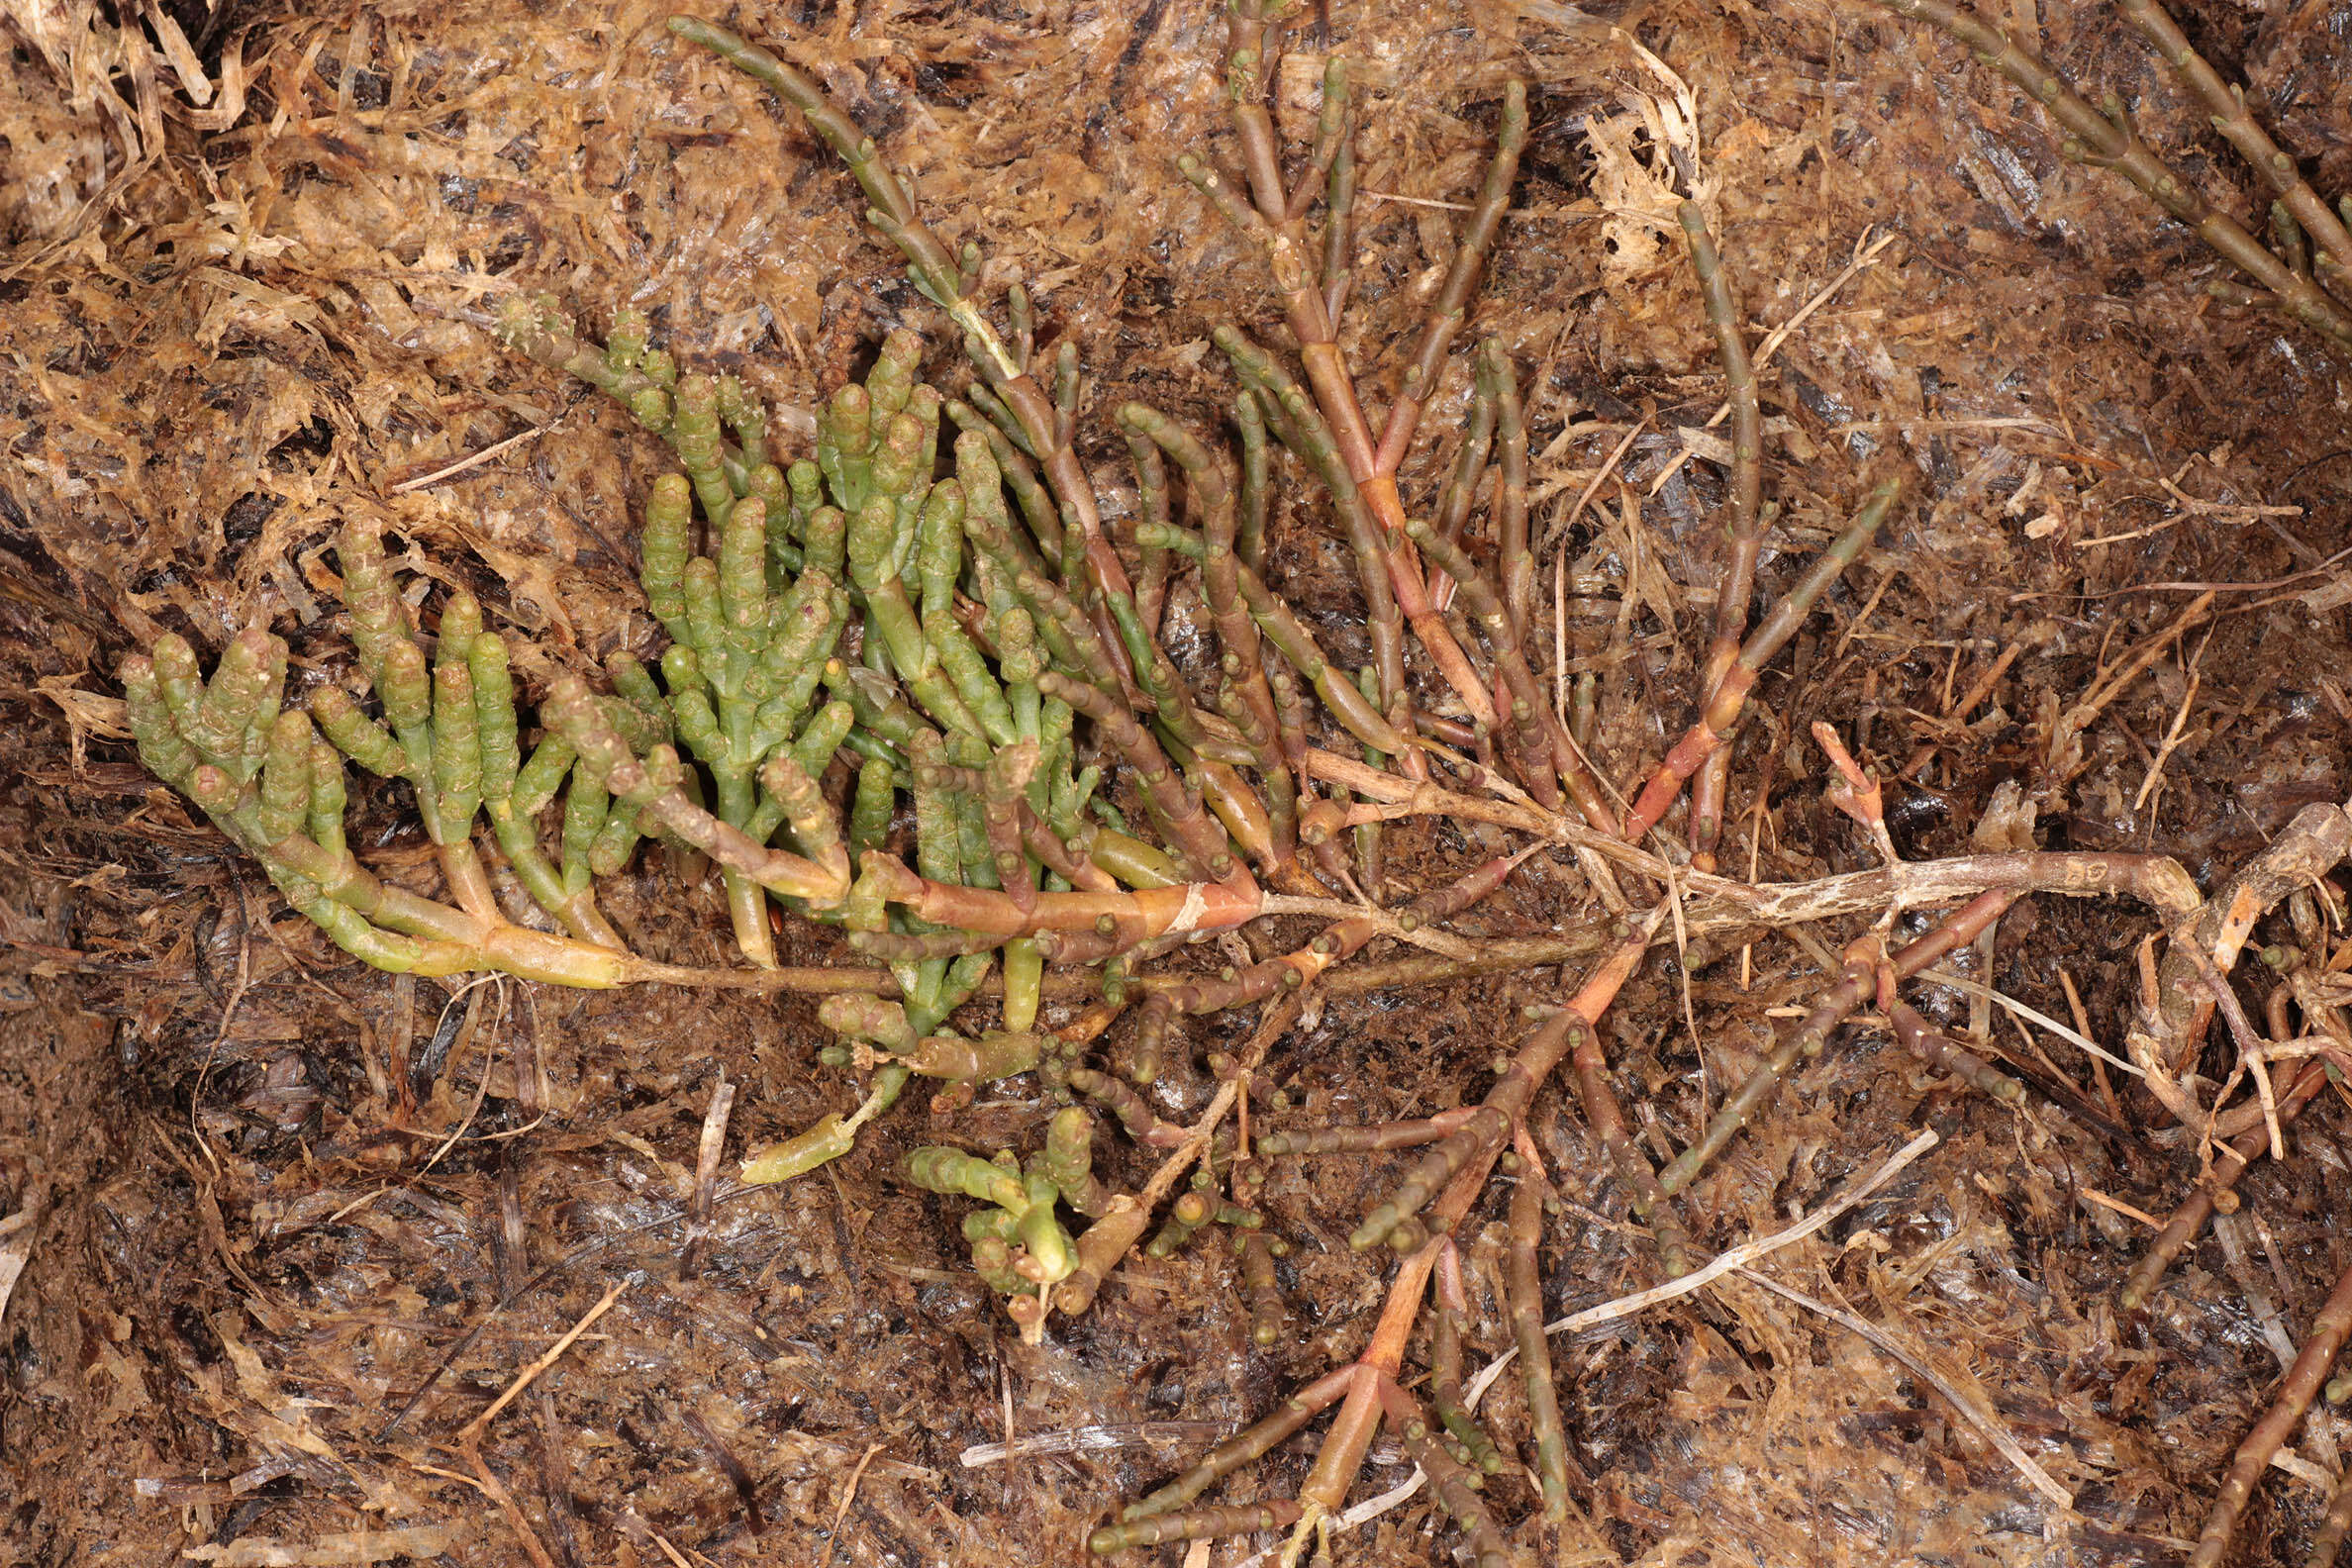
(2305, 276)
(912, 689)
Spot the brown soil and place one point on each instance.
(270, 1192)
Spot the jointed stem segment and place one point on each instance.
(2189, 1217)
(1274, 218)
(1526, 1331)
(2328, 1332)
(1472, 1446)
(1721, 708)
(2108, 139)
(1743, 531)
(854, 632)
(1457, 1487)
(1858, 984)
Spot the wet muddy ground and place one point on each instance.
(270, 1194)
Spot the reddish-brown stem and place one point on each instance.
(1526, 1290)
(1650, 1202)
(1448, 311)
(1526, 702)
(1471, 1151)
(2295, 1390)
(1511, 491)
(1188, 828)
(1457, 1486)
(1742, 530)
(1296, 283)
(1938, 1049)
(1856, 985)
(1186, 907)
(1248, 1444)
(1337, 943)
(1722, 708)
(2189, 1217)
(1350, 1436)
(1363, 1139)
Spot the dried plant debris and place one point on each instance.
(1638, 599)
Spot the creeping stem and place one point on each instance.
(2109, 142)
(1742, 530)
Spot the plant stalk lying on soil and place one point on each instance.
(917, 694)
